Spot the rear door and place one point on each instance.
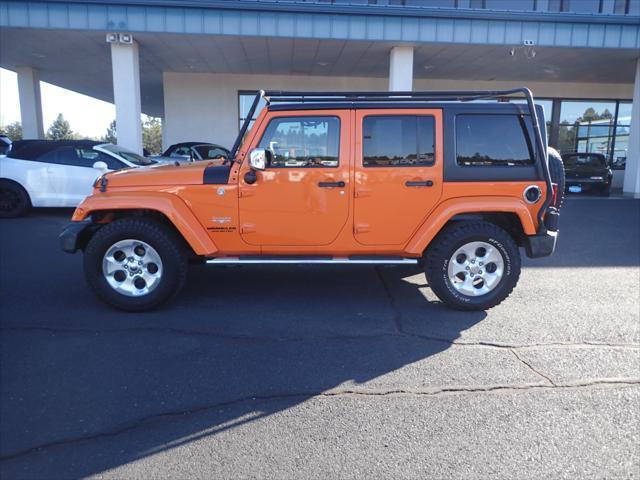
(302, 198)
(398, 173)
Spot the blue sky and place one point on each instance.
(87, 116)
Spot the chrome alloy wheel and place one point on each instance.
(476, 268)
(132, 267)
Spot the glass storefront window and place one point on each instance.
(586, 126)
(245, 101)
(585, 6)
(621, 143)
(547, 107)
(572, 111)
(591, 126)
(510, 4)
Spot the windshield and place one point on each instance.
(127, 155)
(210, 151)
(584, 161)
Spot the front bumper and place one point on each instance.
(75, 235)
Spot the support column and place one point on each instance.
(632, 168)
(125, 67)
(30, 102)
(401, 69)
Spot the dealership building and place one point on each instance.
(196, 64)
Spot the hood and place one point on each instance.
(158, 175)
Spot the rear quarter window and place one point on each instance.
(493, 140)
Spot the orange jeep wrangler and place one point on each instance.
(431, 178)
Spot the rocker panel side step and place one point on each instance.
(302, 260)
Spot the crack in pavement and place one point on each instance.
(530, 367)
(148, 420)
(398, 334)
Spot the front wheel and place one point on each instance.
(135, 264)
(473, 265)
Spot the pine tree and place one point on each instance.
(152, 135)
(13, 131)
(60, 129)
(110, 136)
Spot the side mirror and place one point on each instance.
(260, 158)
(100, 166)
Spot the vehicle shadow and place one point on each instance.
(239, 344)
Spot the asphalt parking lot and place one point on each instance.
(325, 372)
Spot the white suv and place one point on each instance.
(46, 173)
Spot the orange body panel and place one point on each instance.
(284, 211)
(386, 211)
(286, 207)
(166, 203)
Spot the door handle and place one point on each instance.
(419, 183)
(339, 184)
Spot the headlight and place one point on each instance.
(597, 178)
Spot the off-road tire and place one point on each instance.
(158, 236)
(556, 170)
(455, 236)
(14, 199)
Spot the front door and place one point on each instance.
(302, 197)
(398, 173)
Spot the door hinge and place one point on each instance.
(246, 192)
(362, 192)
(247, 228)
(362, 228)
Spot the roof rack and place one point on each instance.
(284, 96)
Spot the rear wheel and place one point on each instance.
(14, 200)
(473, 265)
(135, 264)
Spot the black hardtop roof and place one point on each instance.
(31, 149)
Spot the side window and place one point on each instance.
(50, 156)
(303, 141)
(493, 140)
(69, 156)
(398, 141)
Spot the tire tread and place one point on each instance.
(452, 235)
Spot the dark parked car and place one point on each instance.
(194, 151)
(587, 172)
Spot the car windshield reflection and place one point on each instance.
(127, 155)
